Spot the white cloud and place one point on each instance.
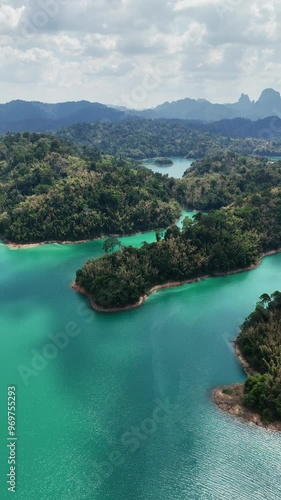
(102, 50)
(10, 16)
(187, 4)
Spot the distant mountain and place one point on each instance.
(19, 116)
(243, 107)
(267, 128)
(269, 104)
(191, 109)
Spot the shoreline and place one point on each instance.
(229, 399)
(165, 286)
(100, 309)
(18, 246)
(245, 365)
(142, 299)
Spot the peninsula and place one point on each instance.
(211, 245)
(222, 242)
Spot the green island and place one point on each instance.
(213, 244)
(162, 161)
(258, 347)
(51, 191)
(227, 240)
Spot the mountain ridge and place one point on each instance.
(35, 116)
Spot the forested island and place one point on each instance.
(51, 191)
(163, 162)
(259, 348)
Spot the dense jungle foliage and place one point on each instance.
(51, 191)
(260, 344)
(214, 243)
(141, 139)
(226, 240)
(217, 181)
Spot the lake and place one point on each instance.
(176, 170)
(274, 158)
(121, 409)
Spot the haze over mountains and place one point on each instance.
(18, 116)
(269, 104)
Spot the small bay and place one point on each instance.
(180, 165)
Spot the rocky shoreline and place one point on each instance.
(230, 399)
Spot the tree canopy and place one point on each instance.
(143, 138)
(50, 190)
(260, 344)
(214, 244)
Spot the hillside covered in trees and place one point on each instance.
(215, 243)
(141, 139)
(221, 242)
(260, 344)
(51, 191)
(217, 181)
(267, 128)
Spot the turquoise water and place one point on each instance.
(84, 418)
(274, 158)
(176, 170)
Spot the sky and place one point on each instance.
(138, 53)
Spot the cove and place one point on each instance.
(91, 424)
(180, 165)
